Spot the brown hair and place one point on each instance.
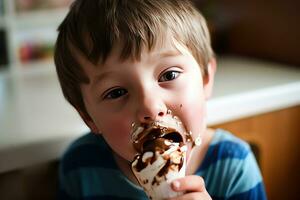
(92, 27)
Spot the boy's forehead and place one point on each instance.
(167, 47)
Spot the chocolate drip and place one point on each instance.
(158, 146)
(155, 146)
(158, 132)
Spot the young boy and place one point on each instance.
(132, 61)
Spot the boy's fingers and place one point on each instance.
(194, 195)
(191, 183)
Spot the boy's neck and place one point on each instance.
(195, 161)
(199, 152)
(124, 166)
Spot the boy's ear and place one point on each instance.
(88, 121)
(208, 80)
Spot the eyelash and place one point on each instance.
(177, 73)
(115, 93)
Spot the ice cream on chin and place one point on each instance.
(161, 158)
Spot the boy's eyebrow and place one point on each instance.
(170, 53)
(162, 54)
(100, 77)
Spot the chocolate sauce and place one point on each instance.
(156, 142)
(159, 146)
(156, 145)
(148, 136)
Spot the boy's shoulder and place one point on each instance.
(89, 150)
(89, 171)
(88, 139)
(227, 150)
(225, 146)
(222, 135)
(229, 160)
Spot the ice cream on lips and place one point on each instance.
(161, 147)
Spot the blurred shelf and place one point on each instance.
(4, 70)
(36, 67)
(39, 18)
(2, 22)
(30, 34)
(3, 67)
(36, 34)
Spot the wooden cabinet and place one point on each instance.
(277, 136)
(34, 182)
(254, 28)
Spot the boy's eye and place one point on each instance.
(168, 76)
(115, 93)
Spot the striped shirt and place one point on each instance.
(88, 171)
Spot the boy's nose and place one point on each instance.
(151, 109)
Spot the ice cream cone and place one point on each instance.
(162, 150)
(155, 171)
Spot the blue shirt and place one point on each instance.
(88, 171)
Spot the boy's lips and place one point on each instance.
(154, 133)
(170, 128)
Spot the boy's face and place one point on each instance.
(140, 91)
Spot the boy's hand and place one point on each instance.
(193, 186)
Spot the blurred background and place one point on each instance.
(257, 91)
(28, 32)
(267, 30)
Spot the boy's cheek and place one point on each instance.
(117, 135)
(194, 115)
(197, 119)
(116, 131)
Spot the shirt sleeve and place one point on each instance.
(246, 181)
(230, 170)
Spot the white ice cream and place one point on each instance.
(155, 183)
(162, 147)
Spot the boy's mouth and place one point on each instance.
(171, 129)
(149, 136)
